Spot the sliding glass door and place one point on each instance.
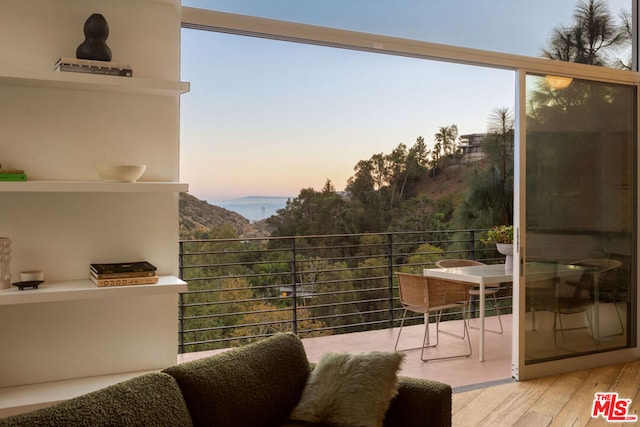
(577, 175)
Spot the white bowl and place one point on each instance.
(121, 173)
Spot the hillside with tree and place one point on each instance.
(201, 220)
(409, 189)
(413, 188)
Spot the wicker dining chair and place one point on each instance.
(606, 273)
(583, 297)
(426, 295)
(490, 290)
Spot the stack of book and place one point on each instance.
(93, 67)
(12, 175)
(123, 274)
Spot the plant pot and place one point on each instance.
(506, 249)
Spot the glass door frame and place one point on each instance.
(207, 20)
(520, 370)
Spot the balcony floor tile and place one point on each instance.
(461, 373)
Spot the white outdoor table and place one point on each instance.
(483, 275)
(478, 275)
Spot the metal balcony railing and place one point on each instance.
(242, 289)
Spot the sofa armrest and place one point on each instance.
(418, 403)
(142, 401)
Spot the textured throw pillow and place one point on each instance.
(350, 390)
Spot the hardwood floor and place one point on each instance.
(560, 400)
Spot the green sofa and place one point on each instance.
(255, 385)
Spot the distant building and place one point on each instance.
(471, 147)
(304, 291)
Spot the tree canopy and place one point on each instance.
(595, 37)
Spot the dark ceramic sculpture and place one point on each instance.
(94, 46)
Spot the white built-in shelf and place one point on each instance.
(93, 82)
(52, 186)
(73, 290)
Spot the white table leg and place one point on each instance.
(426, 325)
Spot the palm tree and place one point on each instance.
(447, 136)
(591, 40)
(623, 58)
(445, 145)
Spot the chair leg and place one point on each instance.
(426, 334)
(562, 329)
(400, 331)
(426, 339)
(564, 341)
(495, 305)
(615, 304)
(465, 333)
(590, 320)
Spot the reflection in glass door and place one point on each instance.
(579, 257)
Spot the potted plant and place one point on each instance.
(502, 234)
(502, 237)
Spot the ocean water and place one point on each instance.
(254, 208)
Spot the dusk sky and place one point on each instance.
(268, 118)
